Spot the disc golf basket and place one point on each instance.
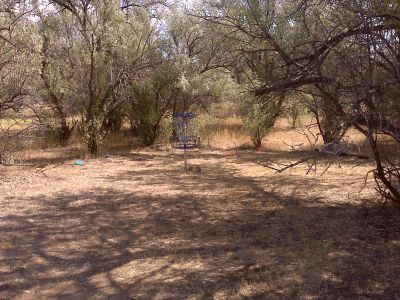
(184, 136)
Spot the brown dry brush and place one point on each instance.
(365, 99)
(12, 140)
(19, 128)
(387, 172)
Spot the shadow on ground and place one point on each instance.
(216, 235)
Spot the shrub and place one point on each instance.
(146, 114)
(260, 118)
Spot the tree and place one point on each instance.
(152, 99)
(97, 48)
(13, 46)
(344, 54)
(19, 66)
(187, 76)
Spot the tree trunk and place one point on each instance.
(53, 99)
(257, 143)
(93, 135)
(65, 131)
(93, 144)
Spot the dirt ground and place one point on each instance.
(134, 226)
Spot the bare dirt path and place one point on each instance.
(133, 226)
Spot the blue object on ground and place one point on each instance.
(79, 162)
(184, 115)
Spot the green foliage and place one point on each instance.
(146, 113)
(295, 110)
(165, 131)
(205, 126)
(90, 55)
(92, 133)
(260, 118)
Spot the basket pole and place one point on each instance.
(184, 158)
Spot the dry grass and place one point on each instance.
(134, 226)
(229, 133)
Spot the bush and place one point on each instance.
(146, 114)
(205, 125)
(260, 118)
(295, 111)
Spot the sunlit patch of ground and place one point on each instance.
(134, 225)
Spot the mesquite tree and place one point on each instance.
(19, 65)
(344, 54)
(14, 48)
(90, 49)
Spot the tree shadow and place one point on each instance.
(218, 234)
